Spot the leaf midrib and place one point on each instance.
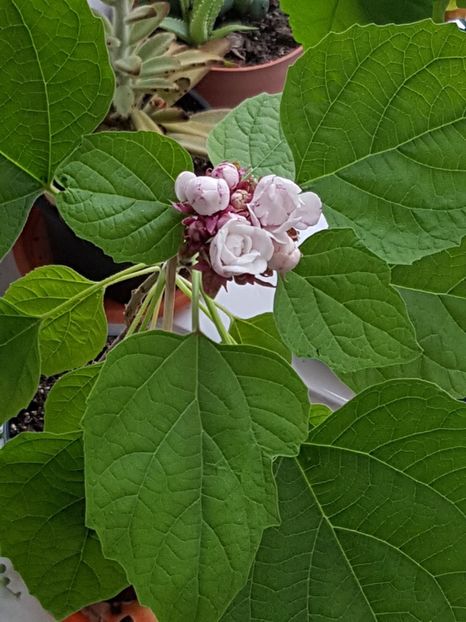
(360, 533)
(337, 541)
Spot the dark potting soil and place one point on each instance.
(201, 165)
(271, 40)
(31, 419)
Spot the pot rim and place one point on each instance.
(271, 63)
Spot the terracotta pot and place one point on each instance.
(455, 14)
(133, 611)
(33, 249)
(226, 87)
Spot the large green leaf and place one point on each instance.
(373, 516)
(183, 501)
(251, 134)
(261, 331)
(118, 193)
(338, 306)
(375, 119)
(434, 289)
(57, 85)
(77, 331)
(19, 360)
(42, 526)
(311, 21)
(66, 402)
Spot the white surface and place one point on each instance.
(22, 608)
(102, 8)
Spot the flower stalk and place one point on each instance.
(170, 289)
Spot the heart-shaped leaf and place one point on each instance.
(42, 526)
(311, 21)
(66, 402)
(19, 359)
(434, 290)
(251, 134)
(375, 119)
(373, 516)
(76, 332)
(183, 502)
(119, 189)
(57, 84)
(338, 306)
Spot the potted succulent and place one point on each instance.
(261, 51)
(197, 471)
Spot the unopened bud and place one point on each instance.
(228, 172)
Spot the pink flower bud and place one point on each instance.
(228, 172)
(181, 184)
(239, 199)
(286, 256)
(207, 195)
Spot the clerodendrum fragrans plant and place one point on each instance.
(197, 471)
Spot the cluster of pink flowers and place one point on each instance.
(241, 228)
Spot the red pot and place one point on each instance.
(226, 87)
(135, 611)
(32, 249)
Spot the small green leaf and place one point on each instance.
(57, 84)
(119, 188)
(183, 502)
(440, 273)
(338, 306)
(373, 516)
(311, 21)
(319, 413)
(434, 290)
(66, 402)
(17, 193)
(375, 119)
(251, 134)
(76, 332)
(42, 526)
(261, 331)
(19, 360)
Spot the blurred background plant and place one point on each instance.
(196, 21)
(153, 71)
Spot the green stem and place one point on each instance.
(219, 306)
(170, 289)
(187, 291)
(196, 293)
(154, 309)
(124, 275)
(152, 298)
(216, 319)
